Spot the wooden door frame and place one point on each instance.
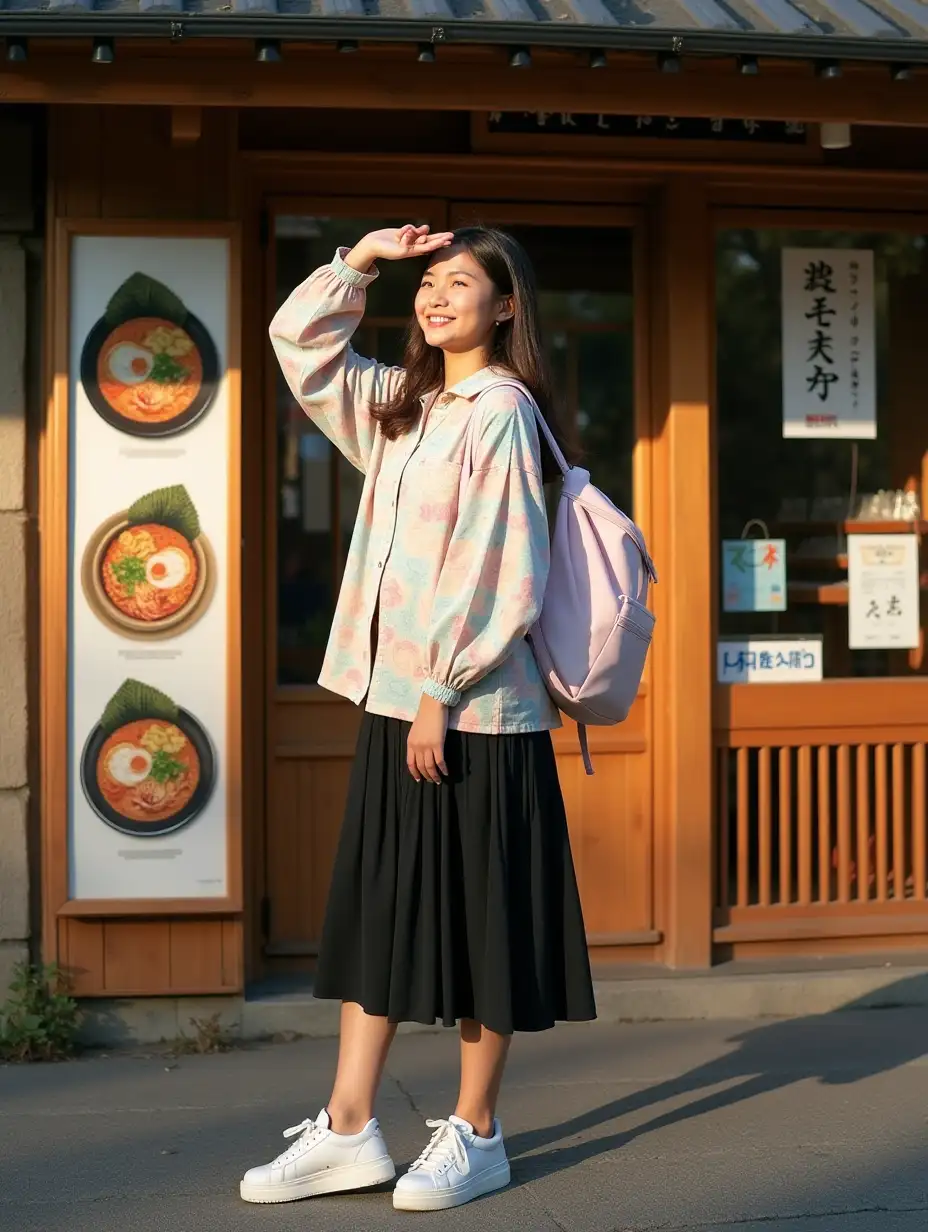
(261, 457)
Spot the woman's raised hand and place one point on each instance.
(395, 244)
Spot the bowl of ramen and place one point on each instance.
(148, 767)
(149, 571)
(149, 367)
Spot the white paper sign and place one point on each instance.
(829, 344)
(149, 546)
(883, 611)
(770, 660)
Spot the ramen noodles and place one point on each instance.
(148, 770)
(149, 571)
(149, 370)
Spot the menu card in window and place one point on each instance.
(829, 343)
(883, 610)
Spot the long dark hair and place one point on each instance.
(516, 345)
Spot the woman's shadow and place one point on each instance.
(836, 1048)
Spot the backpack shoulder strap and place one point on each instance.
(501, 383)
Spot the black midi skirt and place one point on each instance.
(456, 900)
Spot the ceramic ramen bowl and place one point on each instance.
(148, 776)
(149, 367)
(145, 593)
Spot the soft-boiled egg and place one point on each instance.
(167, 568)
(128, 764)
(129, 364)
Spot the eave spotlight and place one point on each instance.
(426, 53)
(901, 72)
(598, 59)
(828, 70)
(103, 51)
(17, 50)
(669, 62)
(748, 66)
(347, 46)
(267, 51)
(520, 57)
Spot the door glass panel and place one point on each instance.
(585, 288)
(317, 490)
(811, 492)
(585, 281)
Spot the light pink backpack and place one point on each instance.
(592, 637)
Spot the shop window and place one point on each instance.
(836, 466)
(584, 276)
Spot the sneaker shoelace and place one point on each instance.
(305, 1129)
(447, 1146)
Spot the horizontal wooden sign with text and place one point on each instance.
(640, 135)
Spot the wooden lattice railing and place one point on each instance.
(822, 823)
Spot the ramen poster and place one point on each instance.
(150, 441)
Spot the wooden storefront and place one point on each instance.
(723, 821)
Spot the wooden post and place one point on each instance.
(685, 547)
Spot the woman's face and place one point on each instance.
(457, 304)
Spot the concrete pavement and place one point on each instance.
(815, 1124)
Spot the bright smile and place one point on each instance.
(439, 320)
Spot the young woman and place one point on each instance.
(453, 894)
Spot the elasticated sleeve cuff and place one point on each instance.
(353, 277)
(442, 693)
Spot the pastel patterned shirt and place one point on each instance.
(455, 579)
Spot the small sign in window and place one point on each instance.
(769, 660)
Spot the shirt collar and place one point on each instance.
(474, 385)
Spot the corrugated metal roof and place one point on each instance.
(871, 28)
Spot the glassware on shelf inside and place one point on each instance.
(888, 505)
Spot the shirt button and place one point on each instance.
(380, 564)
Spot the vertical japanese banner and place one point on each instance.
(884, 596)
(829, 344)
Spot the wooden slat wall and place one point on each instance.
(120, 163)
(144, 957)
(814, 816)
(830, 850)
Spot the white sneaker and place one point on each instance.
(319, 1162)
(455, 1167)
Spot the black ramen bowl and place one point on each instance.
(197, 736)
(209, 358)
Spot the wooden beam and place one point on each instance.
(462, 83)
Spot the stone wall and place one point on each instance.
(14, 726)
